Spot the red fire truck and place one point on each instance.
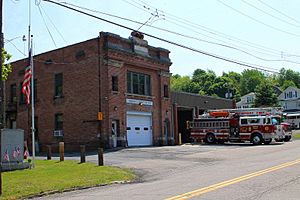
(283, 130)
(256, 125)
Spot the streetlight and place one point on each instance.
(10, 41)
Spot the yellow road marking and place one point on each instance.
(232, 181)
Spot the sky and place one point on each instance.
(259, 33)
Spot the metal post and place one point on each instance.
(100, 157)
(62, 151)
(49, 152)
(82, 153)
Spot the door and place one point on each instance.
(139, 129)
(114, 132)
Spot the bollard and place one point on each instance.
(180, 142)
(100, 157)
(82, 153)
(61, 151)
(49, 153)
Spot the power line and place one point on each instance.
(230, 45)
(46, 26)
(167, 15)
(278, 18)
(167, 41)
(40, 5)
(279, 12)
(237, 48)
(206, 29)
(186, 36)
(258, 21)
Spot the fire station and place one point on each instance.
(108, 91)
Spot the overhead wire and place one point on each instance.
(278, 11)
(206, 29)
(190, 37)
(10, 41)
(50, 34)
(167, 41)
(273, 16)
(53, 23)
(258, 21)
(230, 45)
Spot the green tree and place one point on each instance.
(288, 75)
(265, 95)
(180, 83)
(250, 79)
(288, 83)
(6, 68)
(234, 84)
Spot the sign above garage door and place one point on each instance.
(140, 102)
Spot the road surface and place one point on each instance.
(229, 171)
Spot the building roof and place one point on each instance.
(185, 99)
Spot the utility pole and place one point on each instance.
(1, 90)
(1, 62)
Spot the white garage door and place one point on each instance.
(139, 131)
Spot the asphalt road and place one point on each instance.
(209, 172)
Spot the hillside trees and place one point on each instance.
(238, 84)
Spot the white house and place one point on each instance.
(289, 99)
(247, 101)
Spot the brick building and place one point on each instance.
(126, 80)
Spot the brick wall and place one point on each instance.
(87, 69)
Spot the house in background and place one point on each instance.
(247, 101)
(289, 99)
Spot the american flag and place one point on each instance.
(6, 156)
(18, 151)
(26, 80)
(26, 154)
(15, 154)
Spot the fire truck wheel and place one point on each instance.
(268, 141)
(256, 139)
(210, 138)
(287, 138)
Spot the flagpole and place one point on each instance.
(32, 86)
(32, 107)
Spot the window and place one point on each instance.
(58, 121)
(254, 121)
(13, 93)
(59, 85)
(22, 95)
(138, 83)
(244, 121)
(166, 91)
(114, 82)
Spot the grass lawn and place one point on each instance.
(58, 176)
(296, 136)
